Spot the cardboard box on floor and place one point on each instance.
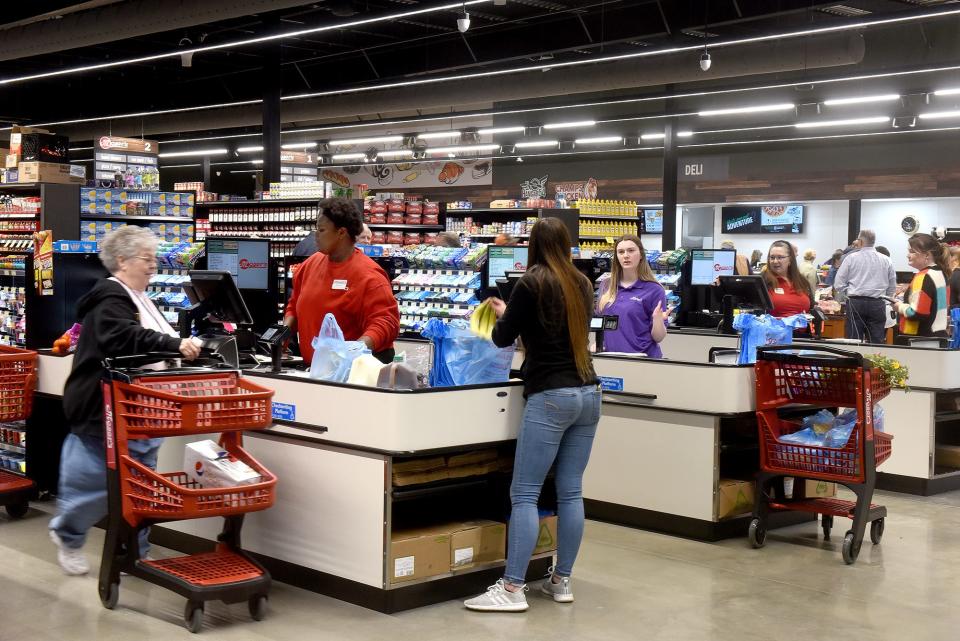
(477, 542)
(734, 497)
(547, 535)
(819, 489)
(419, 553)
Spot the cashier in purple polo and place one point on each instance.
(633, 294)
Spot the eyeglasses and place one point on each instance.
(774, 259)
(148, 259)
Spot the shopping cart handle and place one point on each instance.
(785, 353)
(135, 360)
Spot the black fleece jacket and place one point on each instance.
(111, 327)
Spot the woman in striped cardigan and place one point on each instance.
(925, 310)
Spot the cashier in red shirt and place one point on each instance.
(789, 290)
(340, 279)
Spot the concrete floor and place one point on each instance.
(629, 584)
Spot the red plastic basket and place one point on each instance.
(18, 378)
(839, 464)
(197, 404)
(780, 383)
(173, 496)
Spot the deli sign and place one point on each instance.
(136, 145)
(703, 168)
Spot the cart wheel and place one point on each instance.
(258, 607)
(850, 550)
(827, 524)
(757, 534)
(876, 531)
(193, 616)
(17, 510)
(109, 601)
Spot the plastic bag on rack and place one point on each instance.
(757, 331)
(332, 355)
(955, 324)
(460, 358)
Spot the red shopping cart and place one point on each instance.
(792, 383)
(18, 379)
(147, 404)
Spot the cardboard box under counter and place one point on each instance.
(419, 553)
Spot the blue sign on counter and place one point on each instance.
(285, 412)
(611, 384)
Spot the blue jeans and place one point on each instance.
(82, 499)
(558, 425)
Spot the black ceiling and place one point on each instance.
(499, 37)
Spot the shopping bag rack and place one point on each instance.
(790, 380)
(18, 380)
(142, 403)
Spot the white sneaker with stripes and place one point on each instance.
(498, 598)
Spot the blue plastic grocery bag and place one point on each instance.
(461, 358)
(332, 355)
(756, 331)
(955, 323)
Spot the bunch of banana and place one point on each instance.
(482, 320)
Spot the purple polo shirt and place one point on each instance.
(634, 305)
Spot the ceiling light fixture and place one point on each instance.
(299, 145)
(438, 135)
(839, 102)
(396, 153)
(248, 150)
(366, 141)
(534, 144)
(732, 111)
(349, 156)
(571, 125)
(653, 136)
(500, 130)
(462, 149)
(599, 140)
(947, 92)
(197, 152)
(934, 115)
(873, 120)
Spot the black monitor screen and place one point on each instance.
(248, 261)
(748, 291)
(217, 292)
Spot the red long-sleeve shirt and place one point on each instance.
(357, 292)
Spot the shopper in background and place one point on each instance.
(834, 265)
(808, 268)
(308, 246)
(118, 320)
(504, 239)
(755, 259)
(633, 294)
(883, 250)
(865, 278)
(789, 291)
(924, 311)
(741, 266)
(954, 277)
(550, 309)
(365, 237)
(448, 239)
(340, 280)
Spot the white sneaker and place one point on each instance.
(72, 560)
(561, 592)
(498, 598)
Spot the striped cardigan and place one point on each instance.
(926, 311)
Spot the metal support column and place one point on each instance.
(271, 113)
(669, 240)
(853, 220)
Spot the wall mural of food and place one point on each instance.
(415, 174)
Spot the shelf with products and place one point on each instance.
(13, 447)
(404, 227)
(139, 219)
(265, 202)
(13, 296)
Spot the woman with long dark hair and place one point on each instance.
(789, 290)
(550, 309)
(633, 294)
(925, 310)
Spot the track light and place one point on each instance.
(705, 61)
(463, 22)
(186, 58)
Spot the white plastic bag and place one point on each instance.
(332, 355)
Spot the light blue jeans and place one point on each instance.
(558, 425)
(82, 498)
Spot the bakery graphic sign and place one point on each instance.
(409, 175)
(534, 188)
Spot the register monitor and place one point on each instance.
(246, 260)
(743, 291)
(215, 295)
(708, 264)
(505, 258)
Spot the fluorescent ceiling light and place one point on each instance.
(349, 157)
(258, 161)
(299, 145)
(247, 150)
(435, 135)
(838, 102)
(366, 141)
(531, 144)
(571, 125)
(933, 115)
(501, 130)
(462, 149)
(684, 134)
(784, 106)
(599, 140)
(396, 153)
(198, 152)
(842, 123)
(653, 136)
(947, 92)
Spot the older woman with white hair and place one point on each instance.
(118, 320)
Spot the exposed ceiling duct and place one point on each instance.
(110, 22)
(831, 50)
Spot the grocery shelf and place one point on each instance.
(23, 216)
(486, 210)
(634, 218)
(20, 186)
(604, 237)
(495, 235)
(155, 219)
(19, 449)
(259, 203)
(373, 226)
(215, 221)
(945, 417)
(12, 272)
(437, 488)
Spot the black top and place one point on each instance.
(548, 358)
(111, 327)
(955, 288)
(306, 247)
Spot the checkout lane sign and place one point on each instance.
(284, 412)
(609, 384)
